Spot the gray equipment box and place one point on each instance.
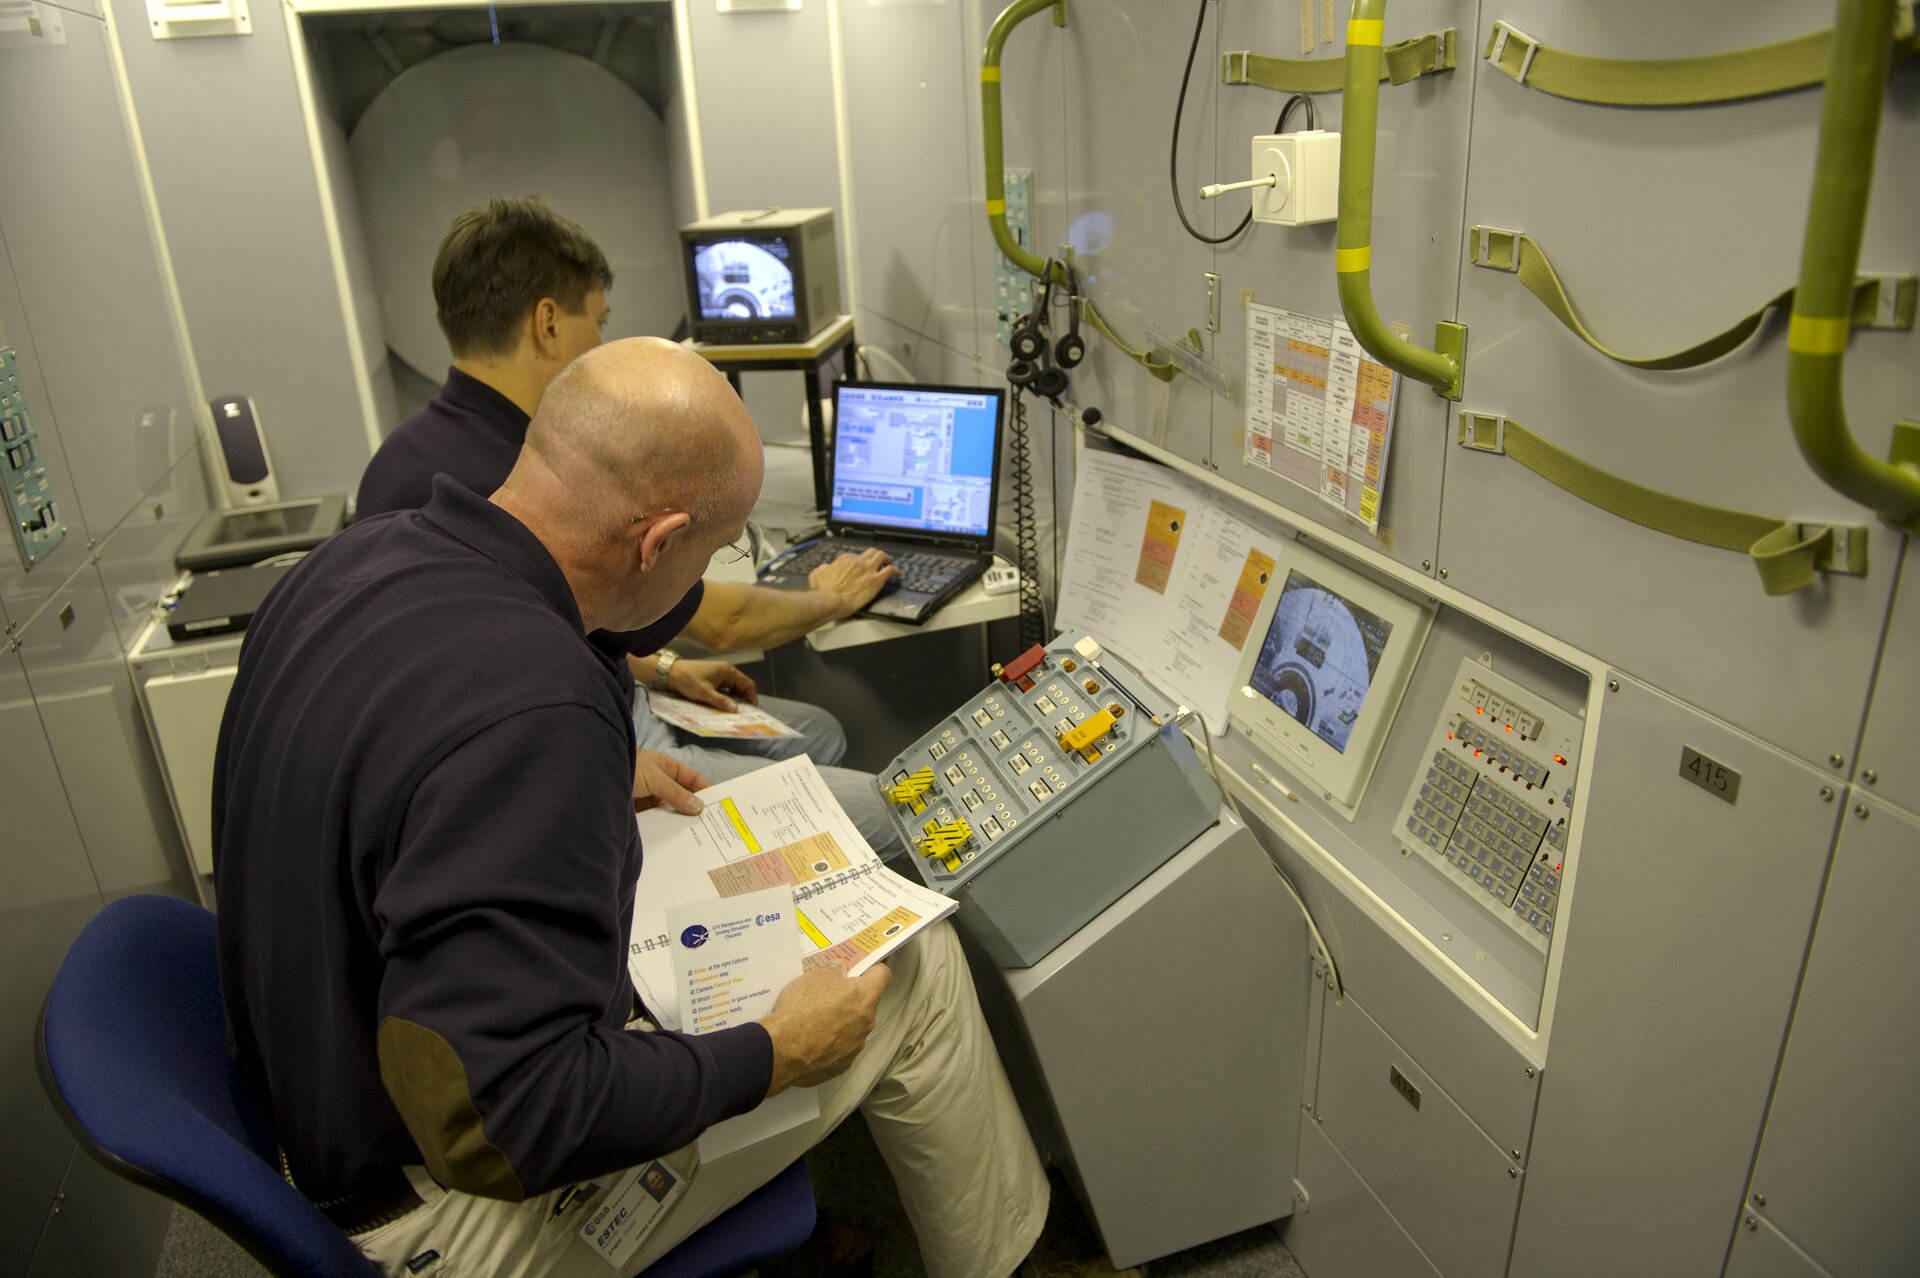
(991, 799)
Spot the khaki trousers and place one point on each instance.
(937, 1102)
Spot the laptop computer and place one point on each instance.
(915, 470)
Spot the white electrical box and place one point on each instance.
(1305, 168)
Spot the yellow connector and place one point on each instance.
(908, 793)
(944, 840)
(1082, 735)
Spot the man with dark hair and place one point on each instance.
(520, 293)
(427, 878)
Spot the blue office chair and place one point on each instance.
(132, 1052)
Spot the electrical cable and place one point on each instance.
(1026, 537)
(1173, 150)
(1213, 765)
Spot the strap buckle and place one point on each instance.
(1840, 555)
(1233, 66)
(1495, 248)
(1502, 32)
(1483, 432)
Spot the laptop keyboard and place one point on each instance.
(928, 574)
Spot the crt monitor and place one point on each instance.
(761, 276)
(1321, 688)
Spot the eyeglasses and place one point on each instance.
(731, 553)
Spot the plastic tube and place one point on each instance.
(1823, 301)
(1010, 17)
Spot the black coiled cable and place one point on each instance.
(1026, 535)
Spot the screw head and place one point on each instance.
(1529, 1071)
(1426, 565)
(1860, 810)
(1752, 1225)
(1613, 685)
(1443, 574)
(1515, 1153)
(1826, 792)
(1838, 761)
(1870, 776)
(1759, 1200)
(1513, 1173)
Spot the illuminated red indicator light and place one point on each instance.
(1560, 759)
(1509, 727)
(1478, 753)
(1449, 736)
(1479, 710)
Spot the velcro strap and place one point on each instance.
(1789, 555)
(1406, 60)
(1655, 82)
(1879, 301)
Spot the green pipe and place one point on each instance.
(1012, 16)
(1359, 120)
(1823, 301)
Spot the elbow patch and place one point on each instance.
(428, 1084)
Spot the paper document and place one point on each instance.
(777, 826)
(1177, 602)
(705, 721)
(732, 956)
(1319, 409)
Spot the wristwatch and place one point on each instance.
(662, 664)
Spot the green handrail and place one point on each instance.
(1012, 16)
(1823, 301)
(1353, 252)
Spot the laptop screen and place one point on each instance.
(919, 459)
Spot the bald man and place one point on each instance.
(426, 856)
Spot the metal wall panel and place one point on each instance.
(1842, 1150)
(1665, 226)
(1759, 1251)
(82, 260)
(1343, 1231)
(762, 148)
(1689, 923)
(22, 592)
(77, 675)
(913, 145)
(50, 893)
(1419, 181)
(1448, 1186)
(224, 133)
(1114, 114)
(1890, 747)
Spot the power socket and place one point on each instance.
(999, 579)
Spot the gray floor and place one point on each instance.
(850, 1182)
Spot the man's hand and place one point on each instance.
(709, 682)
(820, 1022)
(853, 580)
(660, 778)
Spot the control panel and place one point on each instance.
(990, 799)
(31, 509)
(1492, 803)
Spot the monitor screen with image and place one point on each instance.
(1320, 657)
(917, 458)
(744, 278)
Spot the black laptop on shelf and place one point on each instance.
(915, 471)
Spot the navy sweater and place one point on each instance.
(425, 855)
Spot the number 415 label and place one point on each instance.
(1716, 779)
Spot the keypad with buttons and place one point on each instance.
(1492, 801)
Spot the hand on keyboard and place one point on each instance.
(854, 580)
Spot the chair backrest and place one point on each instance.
(132, 1052)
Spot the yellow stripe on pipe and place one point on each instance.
(1347, 261)
(989, 75)
(1818, 335)
(996, 207)
(1365, 31)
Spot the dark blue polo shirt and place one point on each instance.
(473, 433)
(425, 854)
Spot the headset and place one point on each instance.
(1071, 349)
(1033, 356)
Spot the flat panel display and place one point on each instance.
(919, 458)
(1320, 657)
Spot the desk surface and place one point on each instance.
(971, 607)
